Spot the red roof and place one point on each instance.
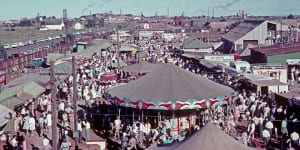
(278, 49)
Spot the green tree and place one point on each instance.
(91, 23)
(290, 16)
(101, 22)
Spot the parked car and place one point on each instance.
(37, 62)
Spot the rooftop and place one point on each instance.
(278, 49)
(242, 29)
(194, 43)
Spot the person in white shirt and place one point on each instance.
(49, 120)
(266, 135)
(79, 129)
(87, 130)
(117, 124)
(269, 126)
(14, 142)
(46, 145)
(61, 106)
(295, 139)
(31, 124)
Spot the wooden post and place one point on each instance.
(133, 110)
(53, 107)
(75, 94)
(142, 115)
(178, 126)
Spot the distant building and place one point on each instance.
(278, 54)
(52, 25)
(193, 44)
(255, 32)
(179, 21)
(123, 36)
(78, 26)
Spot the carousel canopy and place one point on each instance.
(209, 138)
(169, 83)
(142, 67)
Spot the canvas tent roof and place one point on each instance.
(208, 138)
(142, 67)
(33, 89)
(175, 84)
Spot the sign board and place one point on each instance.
(219, 57)
(293, 61)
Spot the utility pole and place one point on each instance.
(75, 94)
(53, 106)
(65, 20)
(297, 31)
(118, 48)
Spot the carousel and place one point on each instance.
(171, 93)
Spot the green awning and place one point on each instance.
(33, 89)
(64, 67)
(11, 92)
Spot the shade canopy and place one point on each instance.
(169, 84)
(6, 114)
(34, 89)
(208, 138)
(142, 67)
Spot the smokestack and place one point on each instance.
(208, 12)
(213, 16)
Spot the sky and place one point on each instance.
(15, 9)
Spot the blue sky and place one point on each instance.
(14, 9)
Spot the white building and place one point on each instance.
(78, 26)
(255, 32)
(54, 26)
(264, 85)
(123, 36)
(277, 72)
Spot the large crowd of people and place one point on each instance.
(263, 117)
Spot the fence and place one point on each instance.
(17, 64)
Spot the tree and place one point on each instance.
(101, 22)
(223, 19)
(290, 16)
(25, 23)
(91, 23)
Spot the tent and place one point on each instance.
(33, 89)
(171, 88)
(142, 67)
(208, 138)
